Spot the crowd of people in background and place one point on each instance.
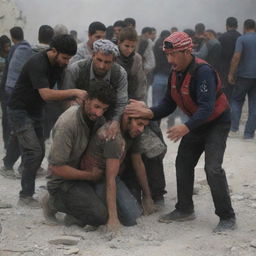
(106, 159)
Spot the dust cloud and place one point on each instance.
(161, 14)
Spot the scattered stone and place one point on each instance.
(71, 251)
(253, 244)
(230, 175)
(50, 222)
(202, 182)
(4, 205)
(253, 197)
(200, 169)
(238, 197)
(66, 240)
(233, 249)
(246, 195)
(253, 205)
(196, 189)
(89, 228)
(113, 246)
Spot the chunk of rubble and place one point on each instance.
(202, 182)
(238, 197)
(72, 251)
(253, 197)
(4, 205)
(196, 189)
(66, 240)
(253, 244)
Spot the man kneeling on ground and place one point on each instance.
(81, 193)
(70, 188)
(108, 156)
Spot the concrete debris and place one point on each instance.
(66, 240)
(253, 244)
(72, 251)
(202, 182)
(196, 189)
(238, 197)
(4, 205)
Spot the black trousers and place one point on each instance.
(5, 126)
(27, 134)
(155, 174)
(211, 141)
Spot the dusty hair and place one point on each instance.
(128, 34)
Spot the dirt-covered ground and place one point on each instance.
(25, 232)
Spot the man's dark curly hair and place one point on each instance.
(102, 91)
(64, 44)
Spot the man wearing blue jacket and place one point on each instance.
(195, 88)
(21, 52)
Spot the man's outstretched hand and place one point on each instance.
(177, 132)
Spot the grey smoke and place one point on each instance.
(162, 14)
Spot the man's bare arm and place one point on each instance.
(48, 94)
(139, 168)
(69, 173)
(112, 169)
(233, 67)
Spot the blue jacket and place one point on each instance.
(19, 57)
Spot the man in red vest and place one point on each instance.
(194, 87)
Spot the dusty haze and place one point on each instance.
(162, 14)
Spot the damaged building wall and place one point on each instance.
(10, 16)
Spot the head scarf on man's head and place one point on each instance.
(105, 46)
(177, 41)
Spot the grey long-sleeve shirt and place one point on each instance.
(72, 75)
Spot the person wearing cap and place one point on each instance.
(101, 66)
(195, 88)
(33, 87)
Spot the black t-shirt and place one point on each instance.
(37, 73)
(228, 42)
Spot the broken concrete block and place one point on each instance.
(253, 244)
(66, 240)
(71, 251)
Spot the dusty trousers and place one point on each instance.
(29, 133)
(211, 141)
(78, 199)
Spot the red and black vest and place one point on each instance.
(183, 98)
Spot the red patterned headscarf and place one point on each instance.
(177, 41)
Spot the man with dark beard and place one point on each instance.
(101, 67)
(33, 88)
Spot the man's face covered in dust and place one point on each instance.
(102, 63)
(136, 126)
(94, 109)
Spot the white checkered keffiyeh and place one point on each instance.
(105, 46)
